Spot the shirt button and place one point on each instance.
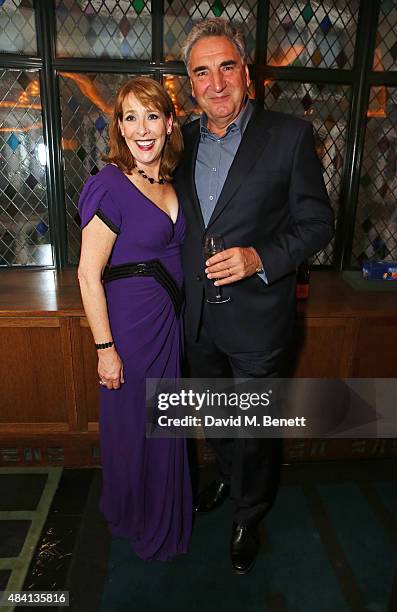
(213, 169)
(211, 197)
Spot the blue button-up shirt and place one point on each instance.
(214, 158)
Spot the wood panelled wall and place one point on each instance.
(49, 384)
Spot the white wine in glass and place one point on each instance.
(211, 246)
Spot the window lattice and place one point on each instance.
(24, 225)
(104, 28)
(327, 107)
(181, 15)
(312, 34)
(385, 57)
(17, 27)
(375, 234)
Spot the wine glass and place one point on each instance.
(211, 246)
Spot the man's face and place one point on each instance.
(219, 80)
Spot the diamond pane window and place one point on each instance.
(181, 15)
(312, 34)
(385, 57)
(17, 27)
(375, 234)
(24, 225)
(86, 108)
(104, 28)
(327, 107)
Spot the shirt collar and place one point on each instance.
(240, 122)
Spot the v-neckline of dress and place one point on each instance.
(148, 199)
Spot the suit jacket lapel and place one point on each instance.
(189, 162)
(255, 139)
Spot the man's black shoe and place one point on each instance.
(244, 547)
(212, 496)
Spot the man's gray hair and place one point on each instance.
(214, 26)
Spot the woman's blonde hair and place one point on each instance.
(153, 97)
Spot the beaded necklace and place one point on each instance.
(151, 180)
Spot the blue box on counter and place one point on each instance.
(380, 270)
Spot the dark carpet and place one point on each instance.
(328, 545)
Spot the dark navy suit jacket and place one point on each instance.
(273, 199)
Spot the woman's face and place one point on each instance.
(145, 131)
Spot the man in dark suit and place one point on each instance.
(253, 177)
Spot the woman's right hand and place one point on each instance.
(110, 368)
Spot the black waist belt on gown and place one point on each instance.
(154, 268)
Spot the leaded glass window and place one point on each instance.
(385, 57)
(104, 28)
(181, 15)
(327, 107)
(24, 225)
(312, 34)
(17, 27)
(302, 34)
(375, 235)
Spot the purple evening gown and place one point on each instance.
(146, 491)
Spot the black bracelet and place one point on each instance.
(104, 345)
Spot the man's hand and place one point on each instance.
(232, 265)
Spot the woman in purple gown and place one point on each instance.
(130, 279)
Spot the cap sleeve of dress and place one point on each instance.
(96, 200)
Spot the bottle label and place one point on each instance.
(302, 291)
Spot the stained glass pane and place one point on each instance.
(24, 226)
(181, 15)
(375, 235)
(86, 108)
(104, 28)
(385, 57)
(312, 34)
(327, 107)
(17, 27)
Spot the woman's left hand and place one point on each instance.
(110, 368)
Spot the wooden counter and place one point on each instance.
(51, 293)
(49, 399)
